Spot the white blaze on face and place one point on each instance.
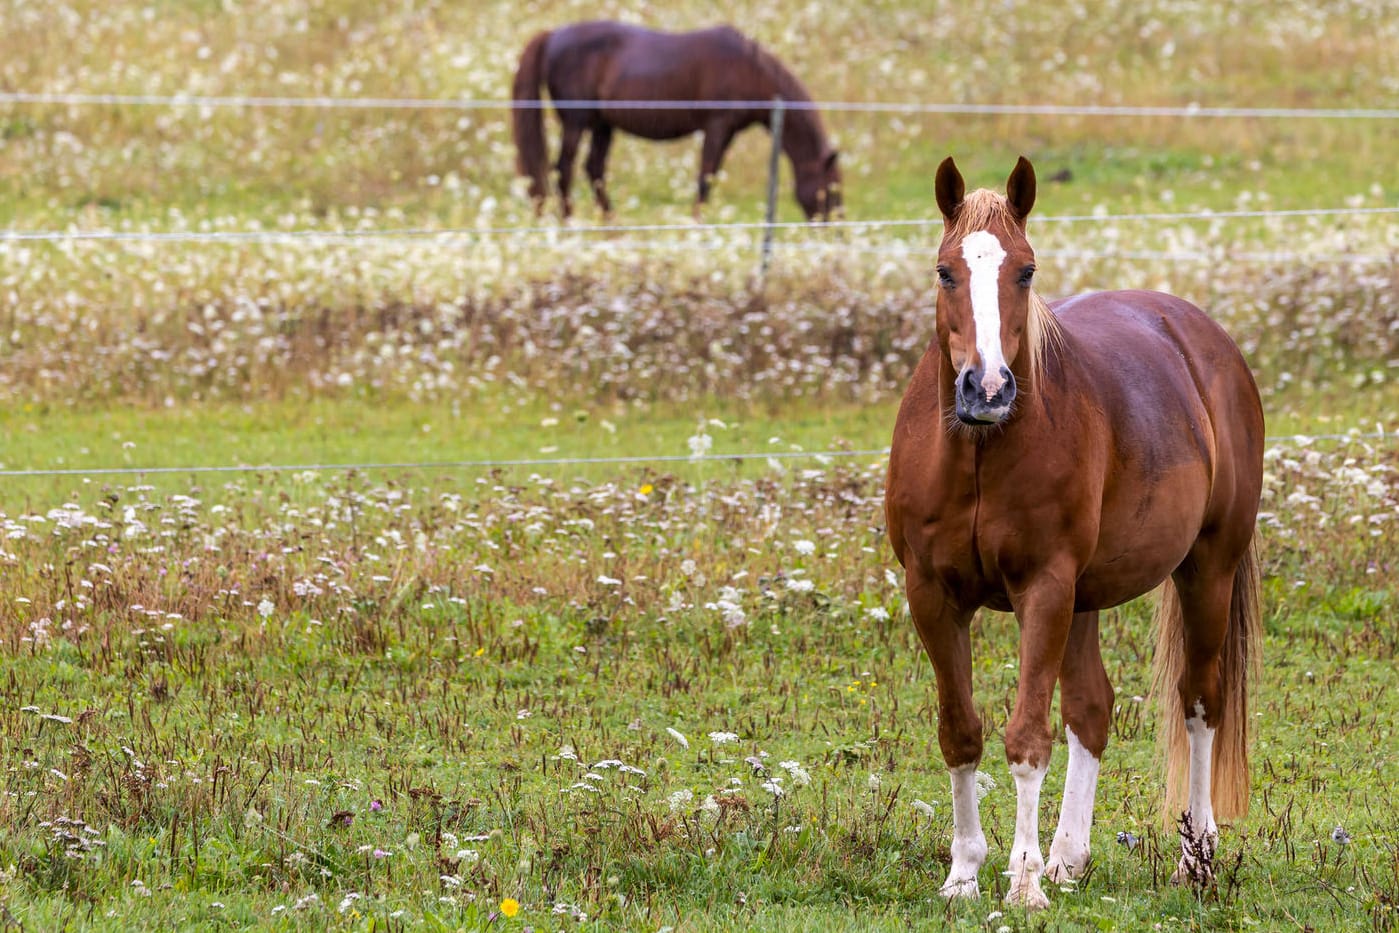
(984, 254)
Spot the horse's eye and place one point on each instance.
(1026, 274)
(945, 277)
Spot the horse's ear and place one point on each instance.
(950, 189)
(1020, 189)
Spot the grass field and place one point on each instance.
(245, 687)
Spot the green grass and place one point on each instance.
(249, 734)
(365, 699)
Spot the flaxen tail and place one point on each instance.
(1239, 660)
(531, 159)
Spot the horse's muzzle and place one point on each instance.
(975, 406)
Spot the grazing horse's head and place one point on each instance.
(818, 185)
(989, 321)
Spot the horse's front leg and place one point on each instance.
(1045, 610)
(1085, 696)
(718, 134)
(945, 628)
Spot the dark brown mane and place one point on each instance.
(804, 131)
(787, 84)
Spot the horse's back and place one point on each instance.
(1176, 397)
(1135, 320)
(608, 61)
(642, 48)
(1144, 348)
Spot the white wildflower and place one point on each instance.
(800, 776)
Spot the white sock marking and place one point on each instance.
(968, 842)
(1201, 758)
(1197, 854)
(984, 254)
(1026, 862)
(1070, 845)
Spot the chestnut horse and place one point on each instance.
(1053, 461)
(615, 62)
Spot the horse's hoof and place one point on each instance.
(1193, 873)
(1028, 896)
(963, 888)
(1062, 868)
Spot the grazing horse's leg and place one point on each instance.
(1045, 611)
(718, 133)
(945, 629)
(1204, 603)
(597, 165)
(568, 154)
(1086, 697)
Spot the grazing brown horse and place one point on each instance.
(1054, 461)
(610, 62)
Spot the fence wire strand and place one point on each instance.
(239, 101)
(625, 460)
(546, 230)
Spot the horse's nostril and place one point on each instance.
(966, 386)
(1008, 389)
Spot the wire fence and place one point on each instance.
(238, 101)
(548, 237)
(690, 237)
(546, 462)
(694, 234)
(575, 231)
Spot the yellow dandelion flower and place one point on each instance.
(509, 907)
(647, 489)
(480, 651)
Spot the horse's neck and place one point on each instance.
(802, 136)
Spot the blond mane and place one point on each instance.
(982, 209)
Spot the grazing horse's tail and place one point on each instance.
(1239, 659)
(528, 122)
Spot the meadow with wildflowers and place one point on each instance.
(494, 674)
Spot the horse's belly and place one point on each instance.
(651, 124)
(1141, 541)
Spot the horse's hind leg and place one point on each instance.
(1204, 608)
(597, 166)
(1086, 698)
(568, 155)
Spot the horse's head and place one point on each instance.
(818, 185)
(987, 317)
